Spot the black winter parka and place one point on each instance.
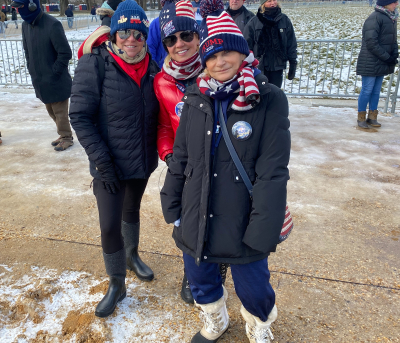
(47, 54)
(379, 42)
(219, 221)
(115, 120)
(252, 34)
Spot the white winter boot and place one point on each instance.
(258, 331)
(216, 320)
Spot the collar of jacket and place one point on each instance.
(193, 93)
(261, 17)
(37, 19)
(169, 78)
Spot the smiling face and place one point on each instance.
(130, 45)
(271, 3)
(224, 65)
(235, 4)
(182, 50)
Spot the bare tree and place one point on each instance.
(63, 7)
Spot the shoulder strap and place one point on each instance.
(100, 60)
(233, 152)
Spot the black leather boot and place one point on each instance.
(116, 269)
(130, 233)
(186, 293)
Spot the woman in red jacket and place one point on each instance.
(180, 37)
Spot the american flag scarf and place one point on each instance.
(243, 83)
(184, 70)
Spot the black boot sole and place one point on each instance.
(186, 299)
(142, 278)
(106, 314)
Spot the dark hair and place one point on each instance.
(113, 38)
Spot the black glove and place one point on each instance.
(109, 177)
(168, 159)
(292, 70)
(392, 60)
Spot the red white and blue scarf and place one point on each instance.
(243, 83)
(184, 70)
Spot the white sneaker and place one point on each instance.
(258, 331)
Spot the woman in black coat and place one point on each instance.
(204, 195)
(114, 113)
(271, 37)
(377, 58)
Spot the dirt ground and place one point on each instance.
(337, 277)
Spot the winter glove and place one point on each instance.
(392, 60)
(168, 159)
(292, 70)
(109, 177)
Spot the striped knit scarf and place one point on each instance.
(392, 15)
(243, 83)
(184, 70)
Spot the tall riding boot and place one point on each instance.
(116, 270)
(372, 118)
(361, 120)
(258, 331)
(130, 233)
(216, 320)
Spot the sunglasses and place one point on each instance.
(125, 34)
(186, 36)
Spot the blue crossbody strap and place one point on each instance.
(233, 152)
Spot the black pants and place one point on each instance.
(125, 205)
(275, 77)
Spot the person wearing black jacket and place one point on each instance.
(114, 113)
(271, 37)
(47, 55)
(93, 13)
(239, 13)
(377, 58)
(216, 220)
(70, 17)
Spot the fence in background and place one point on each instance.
(325, 68)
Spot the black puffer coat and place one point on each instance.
(113, 118)
(219, 222)
(253, 33)
(379, 42)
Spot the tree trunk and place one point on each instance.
(63, 7)
(159, 5)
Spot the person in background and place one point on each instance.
(93, 13)
(107, 10)
(204, 195)
(2, 21)
(70, 17)
(377, 58)
(14, 16)
(196, 8)
(47, 55)
(154, 43)
(240, 14)
(271, 37)
(114, 113)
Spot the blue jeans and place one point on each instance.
(251, 284)
(70, 22)
(370, 90)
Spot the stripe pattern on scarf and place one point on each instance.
(184, 70)
(243, 83)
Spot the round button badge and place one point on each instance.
(178, 108)
(241, 130)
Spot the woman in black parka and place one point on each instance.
(114, 113)
(377, 58)
(215, 219)
(271, 37)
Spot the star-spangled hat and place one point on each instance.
(218, 31)
(176, 17)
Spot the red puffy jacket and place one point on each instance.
(169, 93)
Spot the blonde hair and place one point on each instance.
(262, 10)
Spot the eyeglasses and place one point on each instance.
(125, 34)
(186, 36)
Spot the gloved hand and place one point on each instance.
(109, 177)
(292, 70)
(168, 159)
(392, 60)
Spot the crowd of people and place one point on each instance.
(205, 98)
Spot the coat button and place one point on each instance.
(211, 215)
(208, 132)
(263, 82)
(205, 257)
(215, 175)
(237, 177)
(204, 217)
(201, 105)
(185, 97)
(198, 260)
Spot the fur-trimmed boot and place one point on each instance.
(361, 120)
(116, 270)
(216, 320)
(372, 118)
(130, 233)
(258, 331)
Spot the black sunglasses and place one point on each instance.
(125, 34)
(186, 36)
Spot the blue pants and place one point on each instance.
(70, 22)
(370, 90)
(251, 284)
